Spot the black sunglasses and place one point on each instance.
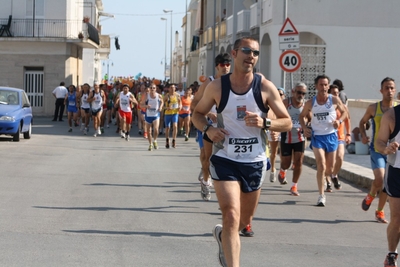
(300, 93)
(248, 51)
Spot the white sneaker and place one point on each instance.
(217, 235)
(272, 177)
(122, 134)
(85, 131)
(127, 137)
(98, 131)
(205, 190)
(95, 134)
(321, 201)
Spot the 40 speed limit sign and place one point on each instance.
(290, 61)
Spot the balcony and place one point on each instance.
(229, 25)
(104, 47)
(243, 21)
(83, 34)
(266, 11)
(222, 30)
(254, 16)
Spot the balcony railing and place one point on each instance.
(254, 15)
(243, 21)
(229, 25)
(266, 11)
(52, 28)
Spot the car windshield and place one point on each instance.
(8, 97)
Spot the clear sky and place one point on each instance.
(141, 34)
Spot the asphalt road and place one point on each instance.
(72, 200)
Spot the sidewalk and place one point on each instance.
(355, 168)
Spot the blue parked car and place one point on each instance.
(15, 113)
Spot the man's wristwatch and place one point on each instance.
(267, 123)
(206, 127)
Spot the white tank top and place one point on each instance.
(98, 101)
(124, 102)
(154, 103)
(243, 144)
(323, 117)
(84, 103)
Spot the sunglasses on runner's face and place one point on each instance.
(248, 51)
(224, 64)
(300, 93)
(153, 87)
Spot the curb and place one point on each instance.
(348, 172)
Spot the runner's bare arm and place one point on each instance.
(303, 118)
(386, 128)
(369, 113)
(211, 96)
(199, 94)
(283, 122)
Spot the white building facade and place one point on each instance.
(348, 40)
(46, 47)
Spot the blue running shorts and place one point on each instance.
(328, 142)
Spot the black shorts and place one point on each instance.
(392, 181)
(87, 110)
(96, 111)
(206, 138)
(287, 149)
(249, 175)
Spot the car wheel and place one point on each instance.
(16, 136)
(28, 134)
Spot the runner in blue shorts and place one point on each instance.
(324, 124)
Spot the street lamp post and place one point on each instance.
(108, 68)
(170, 66)
(165, 61)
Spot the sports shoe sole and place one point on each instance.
(217, 235)
(336, 183)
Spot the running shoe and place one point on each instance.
(366, 203)
(336, 183)
(122, 134)
(272, 177)
(155, 145)
(99, 131)
(140, 132)
(380, 217)
(85, 131)
(205, 190)
(127, 137)
(328, 187)
(247, 231)
(217, 235)
(293, 191)
(145, 135)
(82, 127)
(200, 177)
(150, 147)
(321, 201)
(167, 143)
(95, 134)
(70, 130)
(76, 124)
(391, 260)
(186, 137)
(282, 177)
(173, 143)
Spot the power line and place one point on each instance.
(145, 15)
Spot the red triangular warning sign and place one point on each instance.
(288, 28)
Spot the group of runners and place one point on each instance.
(235, 112)
(155, 108)
(242, 120)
